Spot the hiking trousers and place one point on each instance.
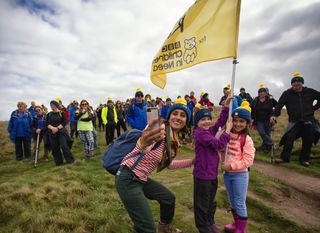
(87, 139)
(110, 128)
(135, 193)
(264, 130)
(73, 129)
(204, 193)
(121, 124)
(58, 142)
(23, 147)
(305, 130)
(42, 135)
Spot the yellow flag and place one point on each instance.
(207, 31)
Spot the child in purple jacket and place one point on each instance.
(206, 165)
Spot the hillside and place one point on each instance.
(82, 198)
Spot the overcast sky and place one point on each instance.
(98, 49)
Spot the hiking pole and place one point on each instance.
(273, 145)
(37, 151)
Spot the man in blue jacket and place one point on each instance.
(73, 122)
(32, 109)
(137, 112)
(165, 109)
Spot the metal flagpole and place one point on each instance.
(234, 62)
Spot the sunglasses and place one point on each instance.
(38, 110)
(84, 104)
(139, 95)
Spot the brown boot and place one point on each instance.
(167, 228)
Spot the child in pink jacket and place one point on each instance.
(238, 159)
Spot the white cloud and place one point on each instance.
(99, 49)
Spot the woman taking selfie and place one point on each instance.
(132, 179)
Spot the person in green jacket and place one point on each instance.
(84, 117)
(110, 119)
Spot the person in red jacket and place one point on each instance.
(204, 101)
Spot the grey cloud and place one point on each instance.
(99, 49)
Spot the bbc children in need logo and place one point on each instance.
(174, 56)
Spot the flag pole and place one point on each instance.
(234, 62)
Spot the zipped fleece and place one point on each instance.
(299, 104)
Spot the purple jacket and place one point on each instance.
(206, 146)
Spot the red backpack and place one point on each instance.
(243, 138)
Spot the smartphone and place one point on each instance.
(152, 114)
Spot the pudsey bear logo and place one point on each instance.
(191, 51)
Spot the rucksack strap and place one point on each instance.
(242, 139)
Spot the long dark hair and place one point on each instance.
(245, 131)
(117, 108)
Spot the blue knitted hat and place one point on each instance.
(262, 88)
(180, 104)
(297, 77)
(200, 114)
(244, 111)
(54, 103)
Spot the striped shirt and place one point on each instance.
(151, 160)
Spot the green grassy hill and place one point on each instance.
(82, 198)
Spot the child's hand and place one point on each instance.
(226, 167)
(229, 125)
(229, 98)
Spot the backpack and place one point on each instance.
(122, 146)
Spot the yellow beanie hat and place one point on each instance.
(180, 101)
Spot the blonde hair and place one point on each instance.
(21, 103)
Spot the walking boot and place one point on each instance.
(230, 228)
(167, 228)
(280, 161)
(241, 225)
(305, 163)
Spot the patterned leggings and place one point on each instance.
(88, 141)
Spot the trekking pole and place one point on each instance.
(273, 145)
(37, 151)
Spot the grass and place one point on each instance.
(279, 130)
(82, 198)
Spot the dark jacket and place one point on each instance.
(39, 122)
(56, 118)
(262, 111)
(223, 98)
(299, 104)
(247, 97)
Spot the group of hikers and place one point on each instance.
(223, 142)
